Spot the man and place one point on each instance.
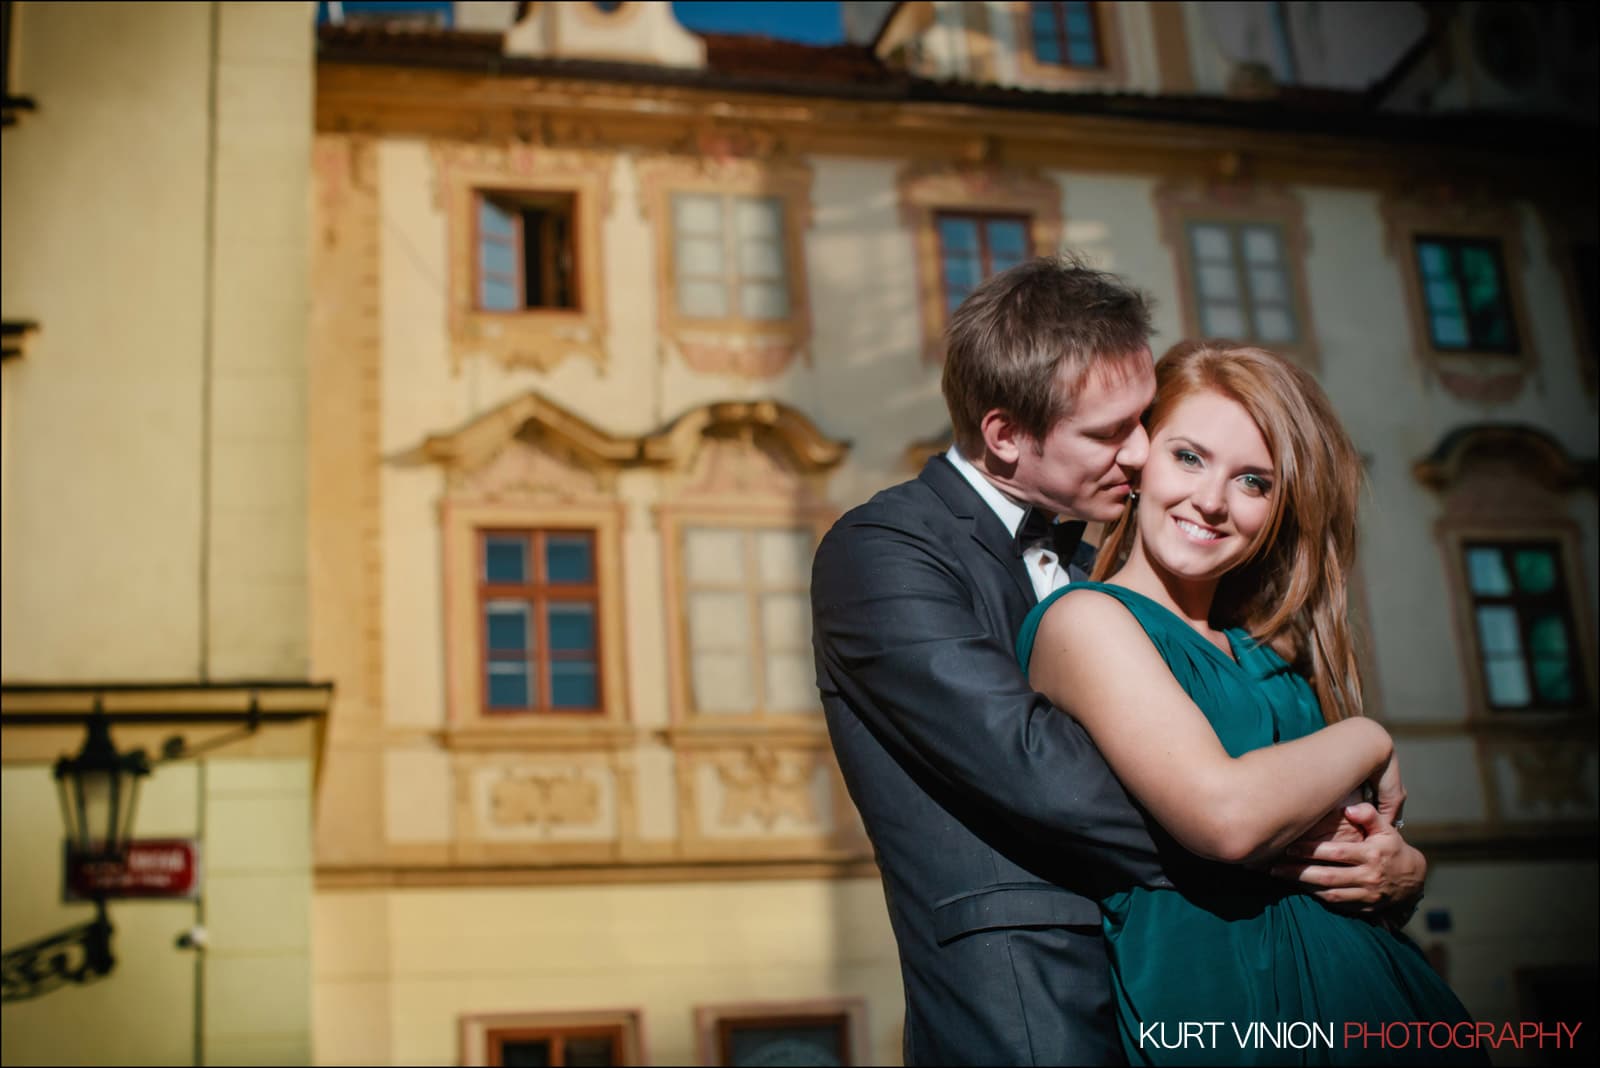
(995, 821)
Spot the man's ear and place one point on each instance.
(1002, 436)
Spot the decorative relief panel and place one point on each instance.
(1545, 780)
(767, 785)
(776, 797)
(977, 186)
(532, 337)
(745, 163)
(545, 806)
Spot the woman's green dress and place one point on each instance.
(1235, 948)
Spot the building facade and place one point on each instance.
(507, 378)
(613, 319)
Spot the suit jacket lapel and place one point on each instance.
(986, 528)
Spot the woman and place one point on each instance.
(1213, 667)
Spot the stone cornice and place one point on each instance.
(556, 109)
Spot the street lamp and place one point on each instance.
(99, 789)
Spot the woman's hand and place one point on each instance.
(1389, 791)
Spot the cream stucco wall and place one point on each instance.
(155, 228)
(396, 970)
(251, 818)
(152, 511)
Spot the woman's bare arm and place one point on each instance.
(1092, 659)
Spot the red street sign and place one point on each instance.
(152, 867)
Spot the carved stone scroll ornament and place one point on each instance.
(544, 799)
(767, 784)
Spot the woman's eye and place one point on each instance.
(1186, 458)
(1256, 484)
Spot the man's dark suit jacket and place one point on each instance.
(995, 821)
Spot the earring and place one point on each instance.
(1133, 498)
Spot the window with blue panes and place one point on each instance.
(526, 258)
(437, 14)
(1523, 625)
(973, 247)
(1464, 294)
(539, 601)
(1065, 34)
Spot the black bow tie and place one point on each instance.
(1037, 527)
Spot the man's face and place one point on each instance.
(1083, 467)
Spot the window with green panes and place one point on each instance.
(539, 609)
(1522, 621)
(973, 247)
(1241, 281)
(748, 613)
(1464, 295)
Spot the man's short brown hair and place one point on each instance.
(1008, 342)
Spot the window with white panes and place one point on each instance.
(1522, 624)
(538, 609)
(748, 614)
(1242, 283)
(728, 257)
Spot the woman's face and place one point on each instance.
(1206, 490)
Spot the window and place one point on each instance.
(729, 257)
(428, 14)
(1065, 34)
(574, 1039)
(536, 1049)
(539, 606)
(1464, 294)
(526, 255)
(1526, 644)
(1242, 283)
(974, 247)
(968, 223)
(728, 218)
(748, 612)
(1240, 253)
(525, 263)
(1461, 262)
(811, 1032)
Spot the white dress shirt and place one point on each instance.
(1046, 570)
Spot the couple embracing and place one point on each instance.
(1104, 810)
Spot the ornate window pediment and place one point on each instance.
(532, 544)
(743, 505)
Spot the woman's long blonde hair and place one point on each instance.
(1291, 590)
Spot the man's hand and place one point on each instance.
(1358, 863)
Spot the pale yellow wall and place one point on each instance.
(396, 970)
(253, 831)
(104, 246)
(1506, 916)
(123, 558)
(256, 566)
(147, 1002)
